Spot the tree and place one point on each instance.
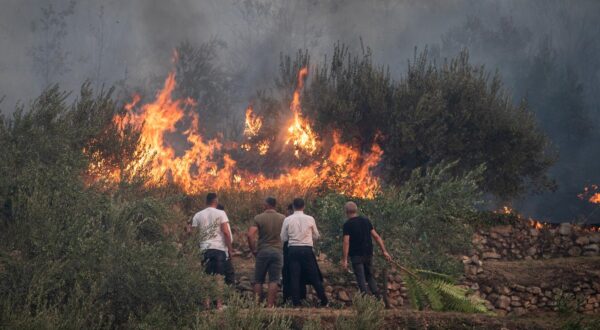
(452, 111)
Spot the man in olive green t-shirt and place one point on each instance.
(269, 257)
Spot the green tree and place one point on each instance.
(452, 111)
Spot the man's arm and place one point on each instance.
(251, 238)
(379, 241)
(227, 236)
(315, 231)
(345, 250)
(284, 231)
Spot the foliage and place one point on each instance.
(452, 111)
(368, 314)
(440, 293)
(201, 79)
(72, 256)
(242, 313)
(424, 223)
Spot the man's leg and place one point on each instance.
(260, 270)
(310, 267)
(295, 270)
(229, 272)
(274, 268)
(358, 267)
(368, 266)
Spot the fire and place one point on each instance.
(253, 123)
(199, 164)
(591, 194)
(536, 224)
(301, 135)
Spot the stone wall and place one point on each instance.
(522, 240)
(548, 279)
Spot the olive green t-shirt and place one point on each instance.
(269, 225)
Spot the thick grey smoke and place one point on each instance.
(129, 44)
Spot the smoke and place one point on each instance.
(129, 44)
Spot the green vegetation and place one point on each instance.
(452, 111)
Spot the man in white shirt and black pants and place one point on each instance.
(299, 230)
(217, 244)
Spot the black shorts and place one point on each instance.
(268, 261)
(216, 263)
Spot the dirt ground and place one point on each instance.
(534, 272)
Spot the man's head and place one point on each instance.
(211, 199)
(351, 209)
(298, 204)
(220, 207)
(290, 209)
(270, 203)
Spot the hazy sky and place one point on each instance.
(130, 43)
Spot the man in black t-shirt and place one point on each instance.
(358, 245)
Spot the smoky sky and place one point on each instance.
(129, 44)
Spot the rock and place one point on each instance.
(343, 296)
(534, 232)
(594, 238)
(519, 288)
(534, 290)
(491, 255)
(531, 251)
(244, 286)
(328, 288)
(519, 311)
(486, 289)
(565, 229)
(574, 251)
(503, 302)
(502, 230)
(590, 253)
(582, 240)
(592, 247)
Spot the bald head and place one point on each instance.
(351, 209)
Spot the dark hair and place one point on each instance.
(271, 201)
(298, 203)
(290, 207)
(220, 207)
(210, 198)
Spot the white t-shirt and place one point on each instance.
(210, 219)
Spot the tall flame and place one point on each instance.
(301, 135)
(198, 165)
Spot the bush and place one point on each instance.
(72, 256)
(453, 111)
(425, 222)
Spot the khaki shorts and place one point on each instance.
(268, 261)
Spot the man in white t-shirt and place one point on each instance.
(217, 243)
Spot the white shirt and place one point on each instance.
(299, 229)
(210, 220)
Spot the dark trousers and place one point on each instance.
(286, 276)
(362, 267)
(216, 263)
(304, 263)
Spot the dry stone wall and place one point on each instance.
(548, 280)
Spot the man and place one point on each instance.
(217, 243)
(269, 258)
(358, 245)
(286, 286)
(299, 230)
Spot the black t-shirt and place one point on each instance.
(359, 230)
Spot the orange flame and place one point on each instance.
(253, 123)
(199, 165)
(301, 135)
(591, 194)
